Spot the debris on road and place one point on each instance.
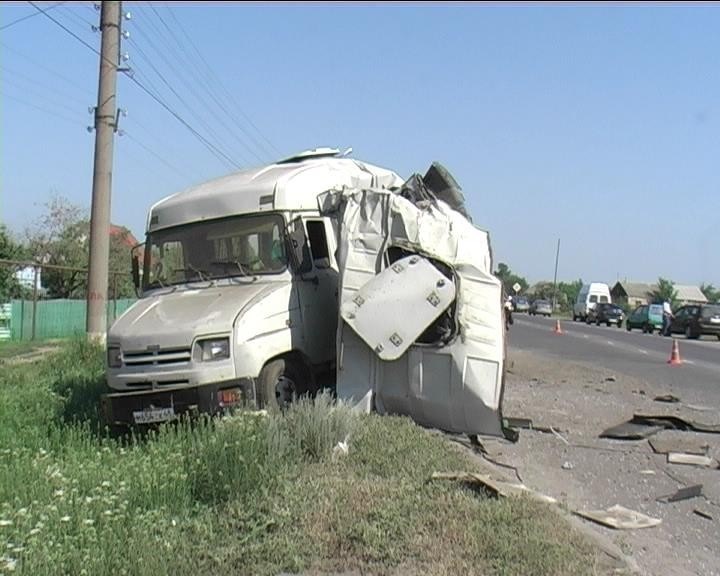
(567, 466)
(691, 459)
(495, 487)
(644, 425)
(669, 398)
(611, 379)
(664, 444)
(683, 494)
(620, 518)
(702, 512)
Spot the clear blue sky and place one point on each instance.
(598, 125)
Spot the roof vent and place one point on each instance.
(310, 154)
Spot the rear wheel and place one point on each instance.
(689, 334)
(628, 327)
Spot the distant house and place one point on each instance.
(125, 236)
(637, 293)
(690, 295)
(634, 293)
(25, 277)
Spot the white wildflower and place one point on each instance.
(89, 499)
(65, 519)
(22, 511)
(34, 531)
(108, 513)
(105, 484)
(59, 493)
(10, 563)
(88, 522)
(5, 522)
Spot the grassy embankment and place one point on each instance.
(249, 494)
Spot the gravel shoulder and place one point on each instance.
(584, 471)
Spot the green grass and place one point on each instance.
(249, 494)
(13, 349)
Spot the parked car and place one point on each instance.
(521, 304)
(542, 307)
(694, 320)
(645, 318)
(590, 295)
(605, 313)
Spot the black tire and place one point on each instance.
(597, 322)
(718, 336)
(619, 324)
(608, 324)
(628, 327)
(281, 382)
(689, 334)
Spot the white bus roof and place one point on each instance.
(290, 184)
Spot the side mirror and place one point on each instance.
(135, 262)
(298, 248)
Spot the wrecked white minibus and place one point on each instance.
(258, 285)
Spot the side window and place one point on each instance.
(593, 298)
(318, 243)
(603, 298)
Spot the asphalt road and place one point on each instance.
(632, 353)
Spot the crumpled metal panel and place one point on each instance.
(457, 385)
(394, 308)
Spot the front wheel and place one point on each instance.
(628, 327)
(280, 383)
(689, 334)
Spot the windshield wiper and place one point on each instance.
(199, 273)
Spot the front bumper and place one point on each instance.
(119, 408)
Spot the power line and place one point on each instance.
(211, 93)
(28, 16)
(212, 74)
(218, 153)
(193, 110)
(24, 102)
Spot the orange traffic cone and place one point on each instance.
(675, 355)
(558, 330)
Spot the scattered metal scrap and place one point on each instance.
(620, 518)
(643, 425)
(689, 445)
(683, 494)
(691, 459)
(497, 488)
(667, 398)
(702, 512)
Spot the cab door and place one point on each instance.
(317, 282)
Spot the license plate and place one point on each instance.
(154, 415)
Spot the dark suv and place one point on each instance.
(694, 320)
(605, 313)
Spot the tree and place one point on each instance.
(568, 293)
(509, 279)
(711, 293)
(9, 250)
(665, 291)
(61, 237)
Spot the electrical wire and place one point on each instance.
(213, 149)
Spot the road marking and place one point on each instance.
(611, 343)
(642, 351)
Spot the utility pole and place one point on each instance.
(105, 126)
(557, 255)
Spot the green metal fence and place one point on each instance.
(56, 318)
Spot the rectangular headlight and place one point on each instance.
(214, 349)
(113, 357)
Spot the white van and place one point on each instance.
(590, 294)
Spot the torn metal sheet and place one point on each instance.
(642, 426)
(620, 518)
(394, 308)
(691, 460)
(683, 494)
(676, 422)
(630, 431)
(662, 444)
(495, 487)
(667, 398)
(451, 375)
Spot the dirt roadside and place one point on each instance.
(583, 471)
